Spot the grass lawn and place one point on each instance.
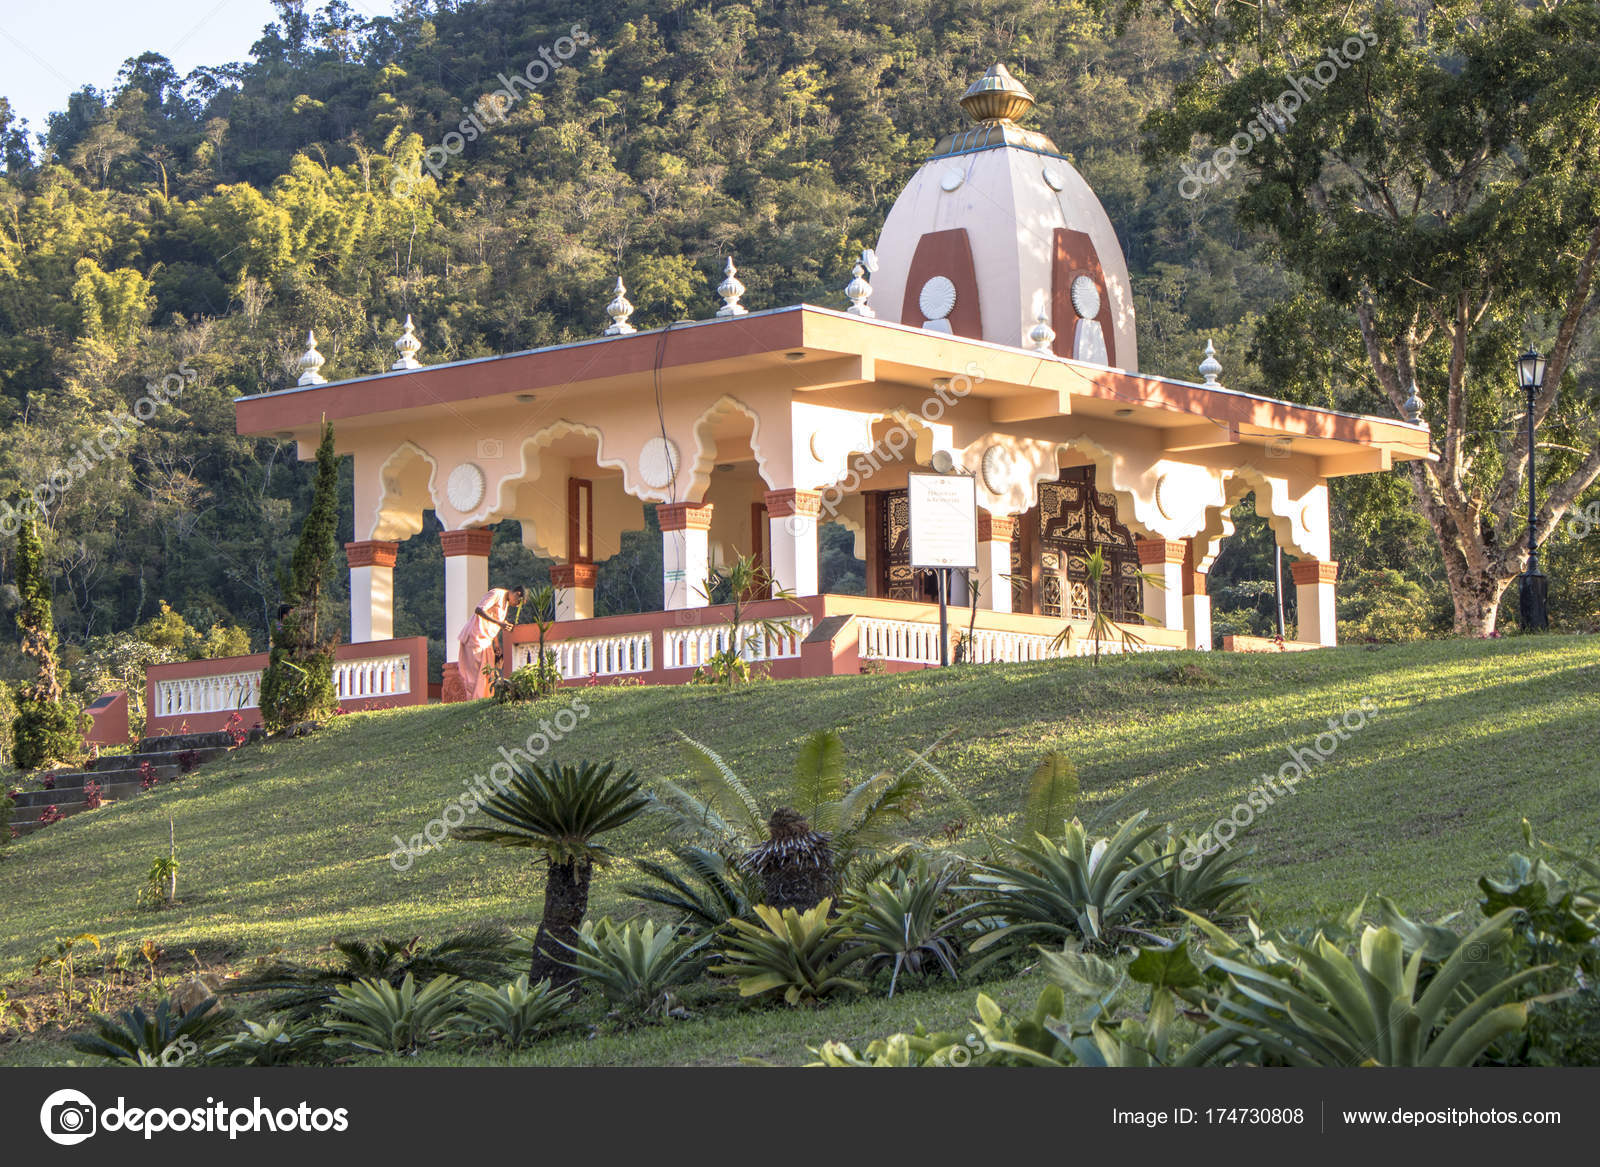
(287, 844)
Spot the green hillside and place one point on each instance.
(287, 844)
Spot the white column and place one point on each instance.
(574, 587)
(466, 579)
(1163, 604)
(994, 560)
(792, 533)
(1313, 588)
(371, 590)
(685, 554)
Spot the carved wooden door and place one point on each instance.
(1074, 520)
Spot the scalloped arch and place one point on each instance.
(393, 517)
(705, 445)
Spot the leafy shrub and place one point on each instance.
(44, 732)
(160, 882)
(93, 796)
(134, 1037)
(279, 1042)
(1079, 887)
(8, 804)
(901, 924)
(532, 681)
(51, 814)
(635, 966)
(802, 954)
(377, 1017)
(188, 760)
(513, 1013)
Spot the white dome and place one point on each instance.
(1009, 224)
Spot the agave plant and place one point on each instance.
(484, 952)
(136, 1038)
(377, 1017)
(801, 954)
(514, 1013)
(281, 1041)
(1332, 1007)
(561, 812)
(707, 893)
(1057, 891)
(901, 924)
(635, 966)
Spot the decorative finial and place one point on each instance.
(1041, 337)
(310, 362)
(408, 346)
(1413, 406)
(858, 289)
(997, 96)
(730, 289)
(1211, 368)
(619, 310)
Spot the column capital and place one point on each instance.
(474, 541)
(1159, 551)
(371, 553)
(995, 528)
(1314, 571)
(791, 501)
(574, 575)
(684, 516)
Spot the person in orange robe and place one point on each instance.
(480, 636)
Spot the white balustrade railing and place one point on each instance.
(592, 656)
(376, 676)
(219, 694)
(688, 648)
(989, 646)
(898, 640)
(918, 643)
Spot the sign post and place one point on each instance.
(944, 534)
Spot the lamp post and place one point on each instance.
(1535, 611)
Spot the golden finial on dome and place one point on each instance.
(996, 96)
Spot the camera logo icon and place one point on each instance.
(68, 1117)
(491, 448)
(1279, 447)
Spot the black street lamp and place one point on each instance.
(1535, 584)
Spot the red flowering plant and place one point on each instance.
(93, 796)
(235, 729)
(52, 814)
(147, 776)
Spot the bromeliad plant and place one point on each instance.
(514, 1013)
(803, 955)
(901, 924)
(636, 966)
(1058, 891)
(560, 812)
(376, 1017)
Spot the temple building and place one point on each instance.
(991, 332)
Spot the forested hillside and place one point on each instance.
(193, 228)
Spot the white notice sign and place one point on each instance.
(944, 520)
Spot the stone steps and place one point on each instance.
(119, 775)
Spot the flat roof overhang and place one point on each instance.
(811, 349)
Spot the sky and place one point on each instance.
(52, 48)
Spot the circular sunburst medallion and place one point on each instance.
(1165, 502)
(951, 178)
(464, 487)
(1085, 298)
(658, 462)
(1053, 178)
(937, 298)
(996, 467)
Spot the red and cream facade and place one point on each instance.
(999, 330)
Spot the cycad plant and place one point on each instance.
(136, 1038)
(561, 812)
(705, 888)
(721, 814)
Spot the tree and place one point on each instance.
(1427, 173)
(46, 725)
(561, 812)
(298, 683)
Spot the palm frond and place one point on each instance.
(722, 790)
(818, 772)
(1052, 795)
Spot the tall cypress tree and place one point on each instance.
(298, 683)
(45, 728)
